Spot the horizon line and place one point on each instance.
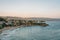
(28, 17)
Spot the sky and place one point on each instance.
(30, 8)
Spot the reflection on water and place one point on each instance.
(51, 32)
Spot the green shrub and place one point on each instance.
(1, 26)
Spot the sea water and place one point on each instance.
(51, 32)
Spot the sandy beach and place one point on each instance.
(9, 28)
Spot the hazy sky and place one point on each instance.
(30, 8)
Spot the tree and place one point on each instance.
(2, 19)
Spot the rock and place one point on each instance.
(43, 24)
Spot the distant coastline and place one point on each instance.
(15, 22)
(33, 18)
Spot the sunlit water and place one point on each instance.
(51, 32)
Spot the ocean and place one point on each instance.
(51, 32)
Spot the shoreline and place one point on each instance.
(14, 27)
(9, 28)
